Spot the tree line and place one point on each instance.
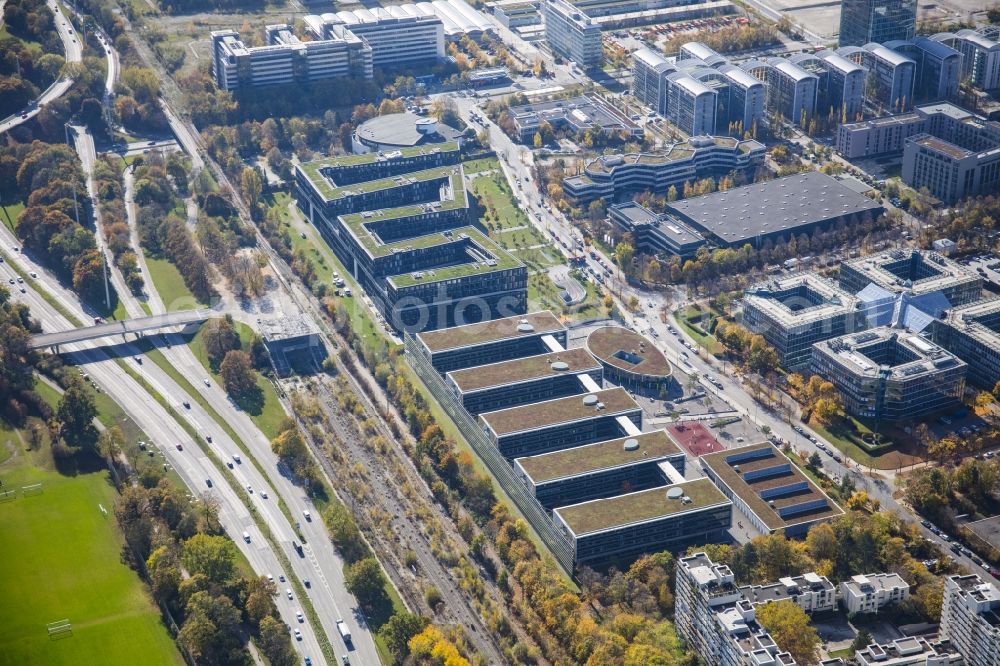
(114, 221)
(179, 546)
(163, 231)
(51, 181)
(30, 53)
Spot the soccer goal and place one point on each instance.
(33, 489)
(59, 628)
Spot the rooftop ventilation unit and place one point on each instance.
(560, 366)
(675, 493)
(631, 444)
(590, 400)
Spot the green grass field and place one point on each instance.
(9, 214)
(61, 560)
(170, 286)
(270, 415)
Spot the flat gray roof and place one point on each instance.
(784, 205)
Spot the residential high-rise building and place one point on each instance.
(572, 34)
(890, 76)
(864, 21)
(939, 67)
(980, 56)
(791, 91)
(970, 619)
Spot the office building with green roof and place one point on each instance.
(410, 238)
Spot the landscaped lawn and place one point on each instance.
(170, 285)
(267, 416)
(688, 319)
(62, 560)
(480, 165)
(9, 213)
(843, 438)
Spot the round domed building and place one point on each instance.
(630, 359)
(398, 131)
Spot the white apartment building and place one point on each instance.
(970, 619)
(286, 59)
(399, 36)
(909, 651)
(810, 591)
(871, 592)
(572, 34)
(717, 620)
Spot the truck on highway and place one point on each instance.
(345, 633)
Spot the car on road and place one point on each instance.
(180, 447)
(250, 489)
(137, 359)
(305, 512)
(306, 582)
(208, 438)
(298, 635)
(237, 458)
(208, 383)
(977, 560)
(187, 405)
(344, 660)
(11, 280)
(20, 280)
(299, 617)
(23, 290)
(208, 482)
(229, 464)
(263, 494)
(246, 537)
(926, 523)
(307, 661)
(288, 591)
(33, 274)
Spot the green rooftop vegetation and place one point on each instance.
(555, 412)
(357, 222)
(314, 170)
(393, 181)
(595, 457)
(523, 369)
(489, 331)
(638, 507)
(504, 260)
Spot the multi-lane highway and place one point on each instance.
(73, 53)
(173, 441)
(318, 562)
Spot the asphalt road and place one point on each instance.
(73, 53)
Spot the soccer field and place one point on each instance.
(61, 559)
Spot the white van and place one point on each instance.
(246, 536)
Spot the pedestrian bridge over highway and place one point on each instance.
(123, 327)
